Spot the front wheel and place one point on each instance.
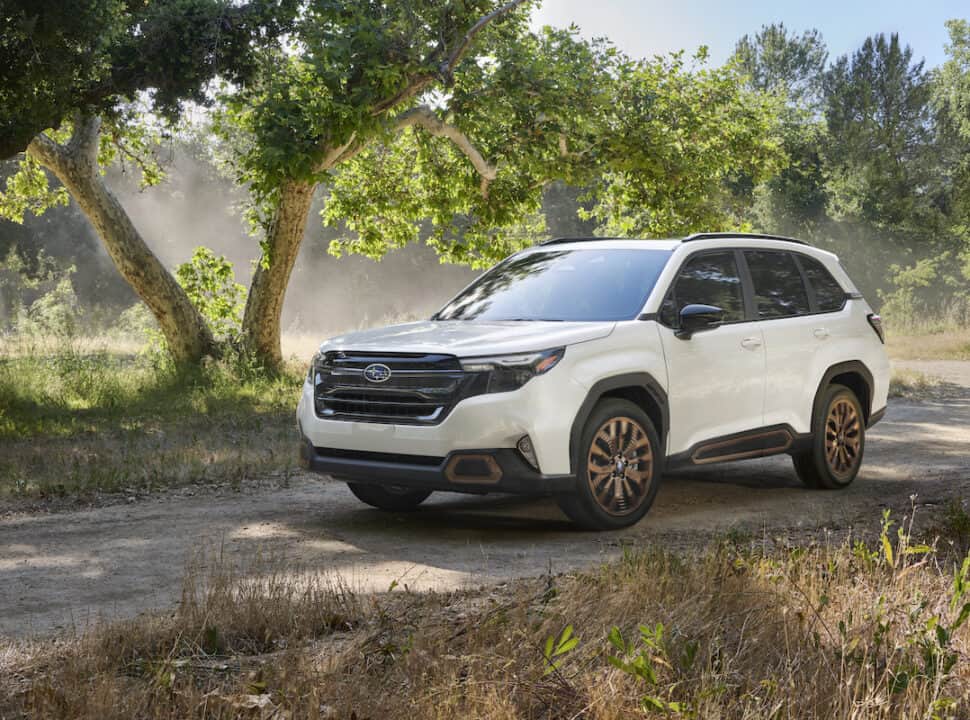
(390, 498)
(838, 442)
(619, 466)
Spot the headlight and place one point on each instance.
(510, 372)
(317, 357)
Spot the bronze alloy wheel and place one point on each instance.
(843, 437)
(620, 466)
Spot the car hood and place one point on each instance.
(468, 338)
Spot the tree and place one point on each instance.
(792, 66)
(880, 151)
(454, 119)
(953, 78)
(678, 137)
(99, 57)
(361, 71)
(776, 60)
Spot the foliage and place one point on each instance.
(641, 659)
(210, 283)
(100, 53)
(334, 80)
(953, 78)
(678, 135)
(879, 142)
(53, 314)
(38, 301)
(777, 60)
(919, 289)
(556, 648)
(652, 147)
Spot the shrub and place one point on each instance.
(210, 282)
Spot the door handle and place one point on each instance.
(751, 343)
(821, 333)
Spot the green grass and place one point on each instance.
(78, 422)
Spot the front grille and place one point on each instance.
(421, 389)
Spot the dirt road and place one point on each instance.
(65, 569)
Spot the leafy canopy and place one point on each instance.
(363, 99)
(100, 54)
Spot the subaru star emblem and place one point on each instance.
(377, 373)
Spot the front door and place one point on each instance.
(716, 379)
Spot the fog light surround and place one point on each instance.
(527, 450)
(473, 469)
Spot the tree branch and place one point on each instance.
(424, 117)
(84, 139)
(45, 151)
(446, 69)
(337, 154)
(448, 66)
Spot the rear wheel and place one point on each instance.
(396, 499)
(619, 466)
(838, 442)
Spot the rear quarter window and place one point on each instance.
(829, 295)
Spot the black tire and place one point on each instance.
(390, 498)
(611, 508)
(838, 445)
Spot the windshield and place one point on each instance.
(577, 285)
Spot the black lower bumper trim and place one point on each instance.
(876, 417)
(427, 473)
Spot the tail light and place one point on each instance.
(876, 322)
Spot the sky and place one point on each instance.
(647, 27)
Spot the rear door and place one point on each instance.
(716, 378)
(792, 334)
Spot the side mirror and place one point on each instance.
(697, 318)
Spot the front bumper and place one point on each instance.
(499, 470)
(544, 409)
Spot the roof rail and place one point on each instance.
(689, 238)
(562, 240)
(741, 236)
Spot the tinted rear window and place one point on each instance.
(778, 287)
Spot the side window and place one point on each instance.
(828, 293)
(778, 287)
(708, 279)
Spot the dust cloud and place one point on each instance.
(327, 295)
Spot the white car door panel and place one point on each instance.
(715, 377)
(716, 383)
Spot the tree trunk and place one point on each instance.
(76, 166)
(264, 304)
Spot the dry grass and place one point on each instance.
(817, 632)
(913, 384)
(929, 343)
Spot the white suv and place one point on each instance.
(585, 368)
